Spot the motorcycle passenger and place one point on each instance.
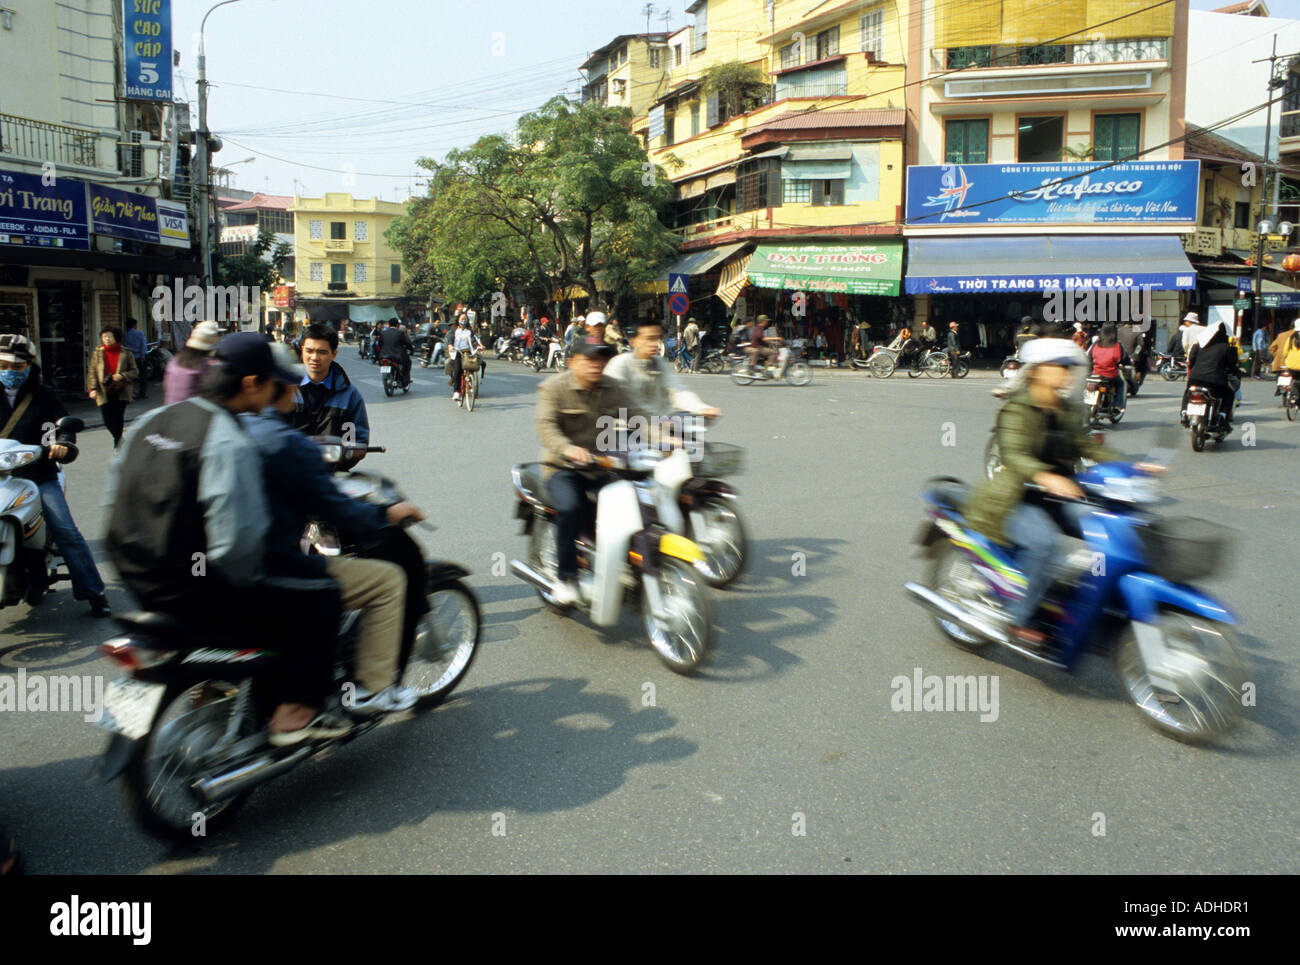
(463, 340)
(395, 345)
(27, 408)
(573, 408)
(1107, 356)
(648, 381)
(328, 403)
(187, 533)
(1041, 437)
(1213, 363)
(299, 489)
(763, 340)
(542, 343)
(1291, 360)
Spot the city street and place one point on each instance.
(569, 749)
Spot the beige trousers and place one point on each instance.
(379, 588)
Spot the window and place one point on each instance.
(796, 192)
(317, 270)
(1241, 214)
(827, 192)
(654, 57)
(395, 274)
(314, 229)
(338, 230)
(677, 55)
(359, 271)
(339, 273)
(276, 222)
(758, 185)
(828, 43)
(695, 118)
(621, 57)
(700, 32)
(1291, 102)
(966, 142)
(1115, 136)
(361, 230)
(1040, 138)
(824, 82)
(790, 56)
(871, 33)
(670, 135)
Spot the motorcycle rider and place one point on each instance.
(395, 345)
(1107, 356)
(763, 342)
(299, 489)
(572, 408)
(28, 408)
(650, 384)
(1041, 438)
(464, 339)
(187, 533)
(1213, 363)
(328, 403)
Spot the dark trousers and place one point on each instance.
(1225, 395)
(568, 491)
(114, 414)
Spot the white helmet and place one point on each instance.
(596, 318)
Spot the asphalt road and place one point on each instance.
(550, 760)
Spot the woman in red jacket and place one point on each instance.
(1107, 356)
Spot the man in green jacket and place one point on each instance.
(1041, 437)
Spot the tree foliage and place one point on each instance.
(253, 268)
(740, 87)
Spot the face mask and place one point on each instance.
(12, 380)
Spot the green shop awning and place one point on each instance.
(847, 269)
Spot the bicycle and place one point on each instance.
(469, 382)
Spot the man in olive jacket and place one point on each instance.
(574, 409)
(1041, 438)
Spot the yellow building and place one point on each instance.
(626, 71)
(345, 268)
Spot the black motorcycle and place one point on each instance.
(1101, 397)
(1204, 417)
(188, 718)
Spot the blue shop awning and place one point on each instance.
(973, 265)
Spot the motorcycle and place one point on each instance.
(1101, 397)
(154, 363)
(1172, 367)
(793, 370)
(389, 374)
(1204, 417)
(512, 350)
(622, 545)
(1010, 366)
(714, 362)
(1125, 590)
(26, 551)
(188, 723)
(366, 341)
(432, 353)
(555, 356)
(1289, 391)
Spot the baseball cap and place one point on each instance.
(593, 346)
(204, 337)
(596, 318)
(247, 353)
(762, 318)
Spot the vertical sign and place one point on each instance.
(147, 61)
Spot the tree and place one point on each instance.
(739, 87)
(254, 268)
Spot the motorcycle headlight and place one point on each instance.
(16, 459)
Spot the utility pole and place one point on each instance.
(1276, 81)
(205, 235)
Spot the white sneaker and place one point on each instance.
(565, 593)
(455, 397)
(387, 701)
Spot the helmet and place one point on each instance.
(596, 318)
(16, 348)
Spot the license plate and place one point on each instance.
(385, 368)
(130, 706)
(1284, 380)
(1090, 398)
(1196, 408)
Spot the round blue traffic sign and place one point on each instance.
(679, 304)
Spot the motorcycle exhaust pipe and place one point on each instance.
(525, 572)
(950, 611)
(223, 787)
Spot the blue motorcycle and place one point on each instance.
(1123, 589)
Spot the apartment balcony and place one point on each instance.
(1212, 242)
(1094, 52)
(337, 246)
(42, 141)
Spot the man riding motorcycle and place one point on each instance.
(650, 383)
(763, 342)
(571, 410)
(395, 345)
(1213, 363)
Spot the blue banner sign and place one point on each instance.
(43, 215)
(1073, 193)
(123, 215)
(147, 38)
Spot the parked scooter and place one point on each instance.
(623, 545)
(26, 551)
(189, 740)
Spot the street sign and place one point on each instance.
(679, 304)
(1240, 304)
(1245, 283)
(677, 284)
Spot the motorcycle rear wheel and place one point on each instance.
(798, 373)
(1207, 670)
(723, 541)
(1198, 436)
(952, 576)
(681, 639)
(446, 642)
(1289, 403)
(543, 556)
(388, 385)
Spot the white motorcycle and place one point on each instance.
(623, 544)
(24, 538)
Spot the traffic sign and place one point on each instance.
(1245, 283)
(677, 284)
(679, 303)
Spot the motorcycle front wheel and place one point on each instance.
(680, 634)
(953, 577)
(721, 536)
(1167, 370)
(740, 374)
(798, 373)
(1195, 695)
(446, 641)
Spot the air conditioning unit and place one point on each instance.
(131, 154)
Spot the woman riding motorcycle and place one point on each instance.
(1107, 356)
(1041, 439)
(1212, 363)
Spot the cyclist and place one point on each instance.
(463, 339)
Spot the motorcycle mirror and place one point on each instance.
(70, 423)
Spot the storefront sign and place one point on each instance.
(1240, 304)
(122, 214)
(1280, 300)
(147, 43)
(846, 269)
(173, 224)
(45, 215)
(282, 296)
(1077, 192)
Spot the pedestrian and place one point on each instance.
(690, 345)
(134, 341)
(1258, 351)
(181, 379)
(109, 379)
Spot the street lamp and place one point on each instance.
(205, 239)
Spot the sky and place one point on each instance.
(340, 95)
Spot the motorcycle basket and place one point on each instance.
(719, 459)
(1182, 550)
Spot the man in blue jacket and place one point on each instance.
(330, 405)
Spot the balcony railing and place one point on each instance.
(824, 88)
(337, 246)
(43, 141)
(1091, 52)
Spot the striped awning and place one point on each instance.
(734, 280)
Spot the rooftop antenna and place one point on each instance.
(648, 11)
